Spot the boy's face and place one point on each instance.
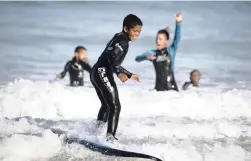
(133, 32)
(161, 41)
(195, 77)
(81, 54)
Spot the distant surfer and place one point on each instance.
(76, 67)
(194, 80)
(109, 63)
(163, 57)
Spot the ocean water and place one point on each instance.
(211, 123)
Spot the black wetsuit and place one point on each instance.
(76, 71)
(103, 81)
(164, 74)
(187, 84)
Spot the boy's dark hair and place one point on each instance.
(130, 21)
(165, 32)
(78, 48)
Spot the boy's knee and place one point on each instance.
(114, 108)
(117, 107)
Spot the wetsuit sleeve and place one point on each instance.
(117, 51)
(186, 85)
(86, 66)
(177, 37)
(143, 56)
(66, 69)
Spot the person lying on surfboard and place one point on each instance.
(194, 80)
(163, 57)
(76, 67)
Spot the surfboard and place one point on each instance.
(102, 148)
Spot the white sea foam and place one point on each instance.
(175, 126)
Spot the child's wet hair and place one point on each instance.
(79, 48)
(164, 31)
(193, 71)
(130, 21)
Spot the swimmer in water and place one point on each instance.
(194, 80)
(163, 57)
(76, 67)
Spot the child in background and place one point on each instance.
(163, 57)
(194, 80)
(76, 67)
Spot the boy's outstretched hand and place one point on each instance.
(179, 17)
(123, 77)
(59, 76)
(135, 77)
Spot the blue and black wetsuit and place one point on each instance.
(103, 81)
(76, 71)
(164, 63)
